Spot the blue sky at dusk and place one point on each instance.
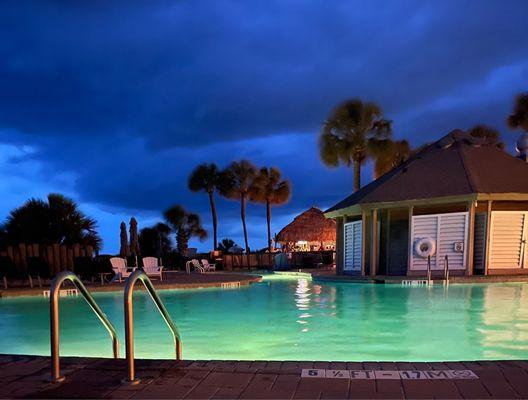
(114, 103)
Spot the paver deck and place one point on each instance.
(27, 377)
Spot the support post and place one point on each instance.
(387, 244)
(409, 240)
(488, 238)
(374, 243)
(470, 238)
(363, 242)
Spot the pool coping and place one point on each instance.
(209, 280)
(28, 377)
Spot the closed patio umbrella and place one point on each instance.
(134, 240)
(124, 250)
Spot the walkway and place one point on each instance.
(25, 376)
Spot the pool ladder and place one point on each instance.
(446, 270)
(129, 324)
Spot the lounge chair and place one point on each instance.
(196, 265)
(120, 268)
(208, 267)
(151, 267)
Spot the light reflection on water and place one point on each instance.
(293, 319)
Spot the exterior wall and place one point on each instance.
(393, 241)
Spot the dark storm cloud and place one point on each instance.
(129, 97)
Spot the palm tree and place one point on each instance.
(349, 134)
(389, 154)
(185, 225)
(206, 177)
(519, 118)
(57, 220)
(236, 181)
(268, 188)
(226, 244)
(154, 238)
(490, 136)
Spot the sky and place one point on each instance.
(114, 103)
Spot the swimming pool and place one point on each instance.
(291, 318)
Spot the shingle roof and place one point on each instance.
(457, 164)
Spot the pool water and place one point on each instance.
(291, 318)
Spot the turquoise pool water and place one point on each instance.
(291, 319)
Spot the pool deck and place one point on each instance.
(28, 377)
(171, 280)
(384, 279)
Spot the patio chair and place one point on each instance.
(120, 268)
(151, 267)
(196, 265)
(207, 266)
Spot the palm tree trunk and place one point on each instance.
(357, 175)
(243, 216)
(268, 220)
(215, 220)
(182, 242)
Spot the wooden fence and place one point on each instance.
(301, 259)
(58, 257)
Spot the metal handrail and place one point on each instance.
(56, 283)
(129, 321)
(429, 270)
(446, 269)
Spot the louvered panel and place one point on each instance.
(506, 239)
(445, 230)
(424, 226)
(452, 230)
(352, 246)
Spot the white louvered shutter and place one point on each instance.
(352, 246)
(507, 236)
(445, 230)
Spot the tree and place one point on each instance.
(226, 244)
(490, 136)
(519, 118)
(57, 220)
(350, 133)
(236, 180)
(185, 225)
(206, 177)
(389, 154)
(155, 239)
(269, 189)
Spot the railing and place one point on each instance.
(54, 319)
(446, 270)
(129, 321)
(429, 282)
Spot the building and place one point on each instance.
(458, 198)
(309, 231)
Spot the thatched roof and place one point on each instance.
(311, 226)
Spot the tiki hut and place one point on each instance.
(309, 231)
